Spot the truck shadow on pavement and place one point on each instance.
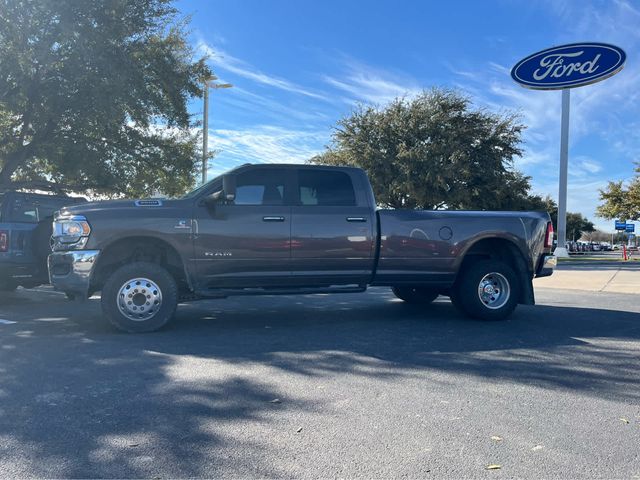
(580, 349)
(168, 404)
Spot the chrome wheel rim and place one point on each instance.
(139, 299)
(494, 290)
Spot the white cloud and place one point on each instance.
(264, 144)
(365, 83)
(590, 165)
(243, 99)
(229, 63)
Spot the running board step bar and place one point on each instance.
(229, 292)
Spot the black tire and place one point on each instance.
(417, 295)
(152, 290)
(498, 278)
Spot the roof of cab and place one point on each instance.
(295, 165)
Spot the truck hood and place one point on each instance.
(146, 204)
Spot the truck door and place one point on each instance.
(246, 243)
(332, 229)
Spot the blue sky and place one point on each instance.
(298, 66)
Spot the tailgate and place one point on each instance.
(19, 241)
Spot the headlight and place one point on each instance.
(70, 232)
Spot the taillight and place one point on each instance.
(4, 241)
(548, 241)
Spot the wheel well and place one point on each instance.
(507, 252)
(139, 249)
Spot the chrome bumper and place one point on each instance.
(70, 272)
(547, 264)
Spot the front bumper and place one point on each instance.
(546, 266)
(70, 272)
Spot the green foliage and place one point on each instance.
(577, 225)
(434, 151)
(93, 96)
(620, 202)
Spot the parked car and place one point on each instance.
(286, 229)
(25, 232)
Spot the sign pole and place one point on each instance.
(561, 68)
(561, 249)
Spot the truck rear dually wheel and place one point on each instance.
(139, 297)
(418, 295)
(487, 290)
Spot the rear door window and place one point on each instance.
(325, 188)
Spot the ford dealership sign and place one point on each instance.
(569, 66)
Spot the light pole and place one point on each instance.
(208, 83)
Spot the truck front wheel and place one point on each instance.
(415, 294)
(139, 297)
(487, 290)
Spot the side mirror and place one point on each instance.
(229, 187)
(227, 194)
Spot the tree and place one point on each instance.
(434, 151)
(93, 96)
(620, 202)
(577, 225)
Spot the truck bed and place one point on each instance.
(427, 246)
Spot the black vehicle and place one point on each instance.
(25, 232)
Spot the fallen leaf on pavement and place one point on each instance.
(494, 466)
(495, 438)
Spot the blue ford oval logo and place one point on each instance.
(569, 66)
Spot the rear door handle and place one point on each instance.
(273, 219)
(356, 219)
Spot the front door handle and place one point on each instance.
(273, 219)
(356, 219)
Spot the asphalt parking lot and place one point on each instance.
(357, 385)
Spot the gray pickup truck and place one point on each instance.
(292, 229)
